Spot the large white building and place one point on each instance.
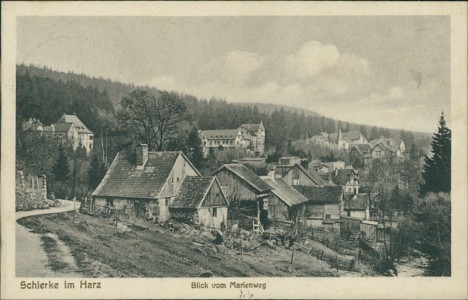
(249, 137)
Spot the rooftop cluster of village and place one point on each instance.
(165, 185)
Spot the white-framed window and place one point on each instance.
(214, 212)
(327, 216)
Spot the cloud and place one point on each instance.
(240, 65)
(311, 60)
(325, 69)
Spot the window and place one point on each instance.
(327, 216)
(177, 179)
(167, 201)
(214, 212)
(172, 180)
(90, 137)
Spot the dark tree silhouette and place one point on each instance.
(194, 148)
(153, 120)
(437, 168)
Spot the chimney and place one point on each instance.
(271, 173)
(141, 155)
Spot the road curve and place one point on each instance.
(31, 259)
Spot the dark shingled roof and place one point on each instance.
(391, 144)
(341, 176)
(192, 192)
(125, 180)
(284, 191)
(247, 175)
(326, 194)
(363, 149)
(62, 127)
(80, 127)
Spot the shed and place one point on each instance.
(284, 201)
(246, 192)
(200, 201)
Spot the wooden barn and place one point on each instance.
(143, 184)
(201, 201)
(246, 193)
(284, 202)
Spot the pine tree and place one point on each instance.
(61, 168)
(96, 172)
(194, 147)
(437, 168)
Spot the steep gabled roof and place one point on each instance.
(220, 134)
(391, 144)
(193, 191)
(363, 149)
(342, 176)
(80, 127)
(123, 179)
(283, 170)
(247, 176)
(284, 191)
(63, 127)
(318, 195)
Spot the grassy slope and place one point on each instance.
(101, 250)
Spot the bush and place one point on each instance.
(29, 199)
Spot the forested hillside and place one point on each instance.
(46, 94)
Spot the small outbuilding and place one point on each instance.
(201, 201)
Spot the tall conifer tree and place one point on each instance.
(437, 168)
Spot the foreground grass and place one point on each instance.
(101, 250)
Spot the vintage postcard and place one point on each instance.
(251, 150)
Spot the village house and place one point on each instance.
(360, 155)
(143, 183)
(329, 167)
(68, 129)
(85, 137)
(249, 137)
(320, 139)
(323, 206)
(339, 140)
(298, 175)
(347, 178)
(386, 147)
(246, 193)
(285, 202)
(200, 201)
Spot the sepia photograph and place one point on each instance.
(244, 147)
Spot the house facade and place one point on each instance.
(298, 175)
(360, 155)
(246, 192)
(85, 137)
(200, 201)
(285, 202)
(386, 147)
(249, 137)
(323, 206)
(143, 182)
(68, 129)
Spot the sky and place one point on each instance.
(390, 71)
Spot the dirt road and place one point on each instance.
(31, 259)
